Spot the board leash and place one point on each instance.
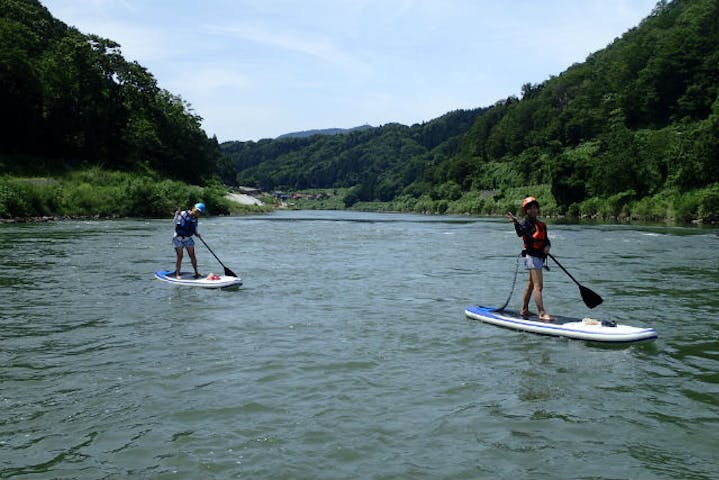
(514, 283)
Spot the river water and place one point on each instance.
(347, 354)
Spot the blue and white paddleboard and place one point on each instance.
(188, 279)
(577, 328)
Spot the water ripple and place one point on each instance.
(346, 354)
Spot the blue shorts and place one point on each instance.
(533, 263)
(179, 242)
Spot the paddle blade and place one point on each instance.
(230, 273)
(591, 299)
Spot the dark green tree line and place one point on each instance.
(71, 100)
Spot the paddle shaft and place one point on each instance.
(548, 254)
(590, 297)
(563, 269)
(228, 272)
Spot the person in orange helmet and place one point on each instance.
(536, 249)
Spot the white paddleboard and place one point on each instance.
(577, 328)
(188, 279)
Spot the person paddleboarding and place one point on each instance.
(185, 228)
(536, 248)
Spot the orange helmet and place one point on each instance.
(528, 201)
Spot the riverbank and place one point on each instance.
(698, 207)
(97, 193)
(244, 199)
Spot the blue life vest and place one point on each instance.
(185, 225)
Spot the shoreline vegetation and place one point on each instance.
(96, 193)
(631, 134)
(100, 193)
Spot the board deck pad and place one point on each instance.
(562, 326)
(206, 281)
(533, 317)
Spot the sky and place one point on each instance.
(256, 69)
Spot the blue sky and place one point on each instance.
(258, 69)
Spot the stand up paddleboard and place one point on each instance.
(188, 279)
(576, 328)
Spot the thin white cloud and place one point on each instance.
(211, 78)
(313, 45)
(252, 69)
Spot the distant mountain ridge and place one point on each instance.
(323, 131)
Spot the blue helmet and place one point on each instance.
(200, 206)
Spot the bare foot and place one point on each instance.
(545, 317)
(525, 313)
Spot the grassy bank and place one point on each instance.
(101, 193)
(108, 194)
(697, 206)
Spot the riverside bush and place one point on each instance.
(100, 193)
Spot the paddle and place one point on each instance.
(228, 272)
(591, 299)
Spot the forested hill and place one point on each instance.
(635, 126)
(323, 131)
(381, 160)
(71, 100)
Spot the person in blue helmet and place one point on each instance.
(185, 228)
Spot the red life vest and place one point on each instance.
(534, 244)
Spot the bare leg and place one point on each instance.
(538, 280)
(527, 295)
(193, 259)
(178, 262)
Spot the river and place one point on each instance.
(346, 354)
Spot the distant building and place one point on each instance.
(255, 192)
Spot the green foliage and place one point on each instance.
(707, 211)
(24, 197)
(97, 192)
(699, 205)
(635, 119)
(655, 208)
(381, 161)
(73, 101)
(351, 197)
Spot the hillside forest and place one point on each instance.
(86, 132)
(632, 132)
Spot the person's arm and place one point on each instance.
(517, 226)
